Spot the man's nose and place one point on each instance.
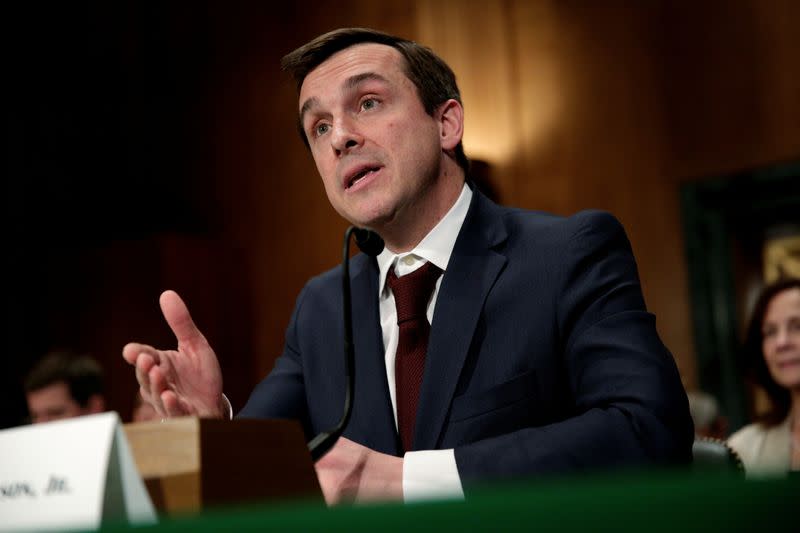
(345, 137)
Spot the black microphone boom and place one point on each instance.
(371, 244)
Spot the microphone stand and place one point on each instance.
(371, 244)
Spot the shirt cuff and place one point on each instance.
(227, 407)
(431, 475)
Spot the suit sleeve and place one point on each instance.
(282, 393)
(629, 406)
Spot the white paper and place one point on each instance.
(69, 474)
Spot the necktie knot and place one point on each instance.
(412, 291)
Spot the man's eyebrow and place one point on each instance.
(354, 81)
(349, 84)
(307, 105)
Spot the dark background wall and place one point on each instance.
(152, 145)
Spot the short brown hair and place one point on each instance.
(433, 78)
(81, 373)
(754, 362)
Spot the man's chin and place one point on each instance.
(375, 220)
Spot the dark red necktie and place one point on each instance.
(411, 295)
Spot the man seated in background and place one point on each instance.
(143, 411)
(63, 385)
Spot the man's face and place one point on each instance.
(144, 412)
(377, 150)
(52, 402)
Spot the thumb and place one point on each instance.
(178, 317)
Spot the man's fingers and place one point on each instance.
(130, 353)
(330, 495)
(327, 482)
(179, 319)
(149, 374)
(173, 405)
(158, 384)
(144, 363)
(155, 402)
(132, 350)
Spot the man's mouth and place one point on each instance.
(360, 175)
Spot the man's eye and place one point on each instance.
(321, 129)
(369, 103)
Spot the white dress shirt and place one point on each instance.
(430, 473)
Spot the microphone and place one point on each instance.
(371, 244)
(368, 241)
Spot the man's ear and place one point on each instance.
(451, 124)
(95, 404)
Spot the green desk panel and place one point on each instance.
(662, 501)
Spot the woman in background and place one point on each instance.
(771, 446)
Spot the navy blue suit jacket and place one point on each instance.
(542, 357)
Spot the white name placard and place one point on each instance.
(75, 473)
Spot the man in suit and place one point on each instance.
(541, 357)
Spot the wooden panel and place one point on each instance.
(190, 464)
(571, 96)
(167, 456)
(611, 105)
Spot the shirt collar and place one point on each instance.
(437, 245)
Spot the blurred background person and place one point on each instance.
(143, 411)
(64, 385)
(708, 422)
(772, 359)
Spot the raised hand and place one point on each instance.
(186, 381)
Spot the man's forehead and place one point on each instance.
(380, 60)
(57, 389)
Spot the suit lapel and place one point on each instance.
(372, 421)
(471, 272)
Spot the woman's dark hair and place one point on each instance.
(754, 362)
(434, 80)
